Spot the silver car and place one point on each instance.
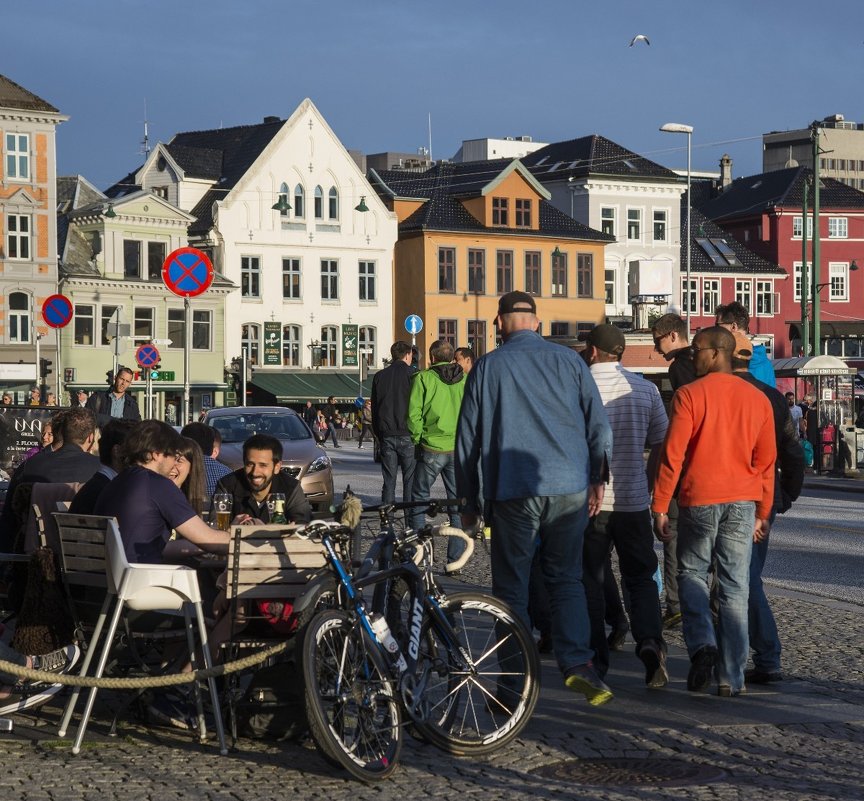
(302, 456)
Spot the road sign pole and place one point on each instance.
(148, 391)
(187, 346)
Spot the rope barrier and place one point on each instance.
(145, 681)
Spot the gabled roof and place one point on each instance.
(756, 194)
(75, 191)
(592, 155)
(14, 96)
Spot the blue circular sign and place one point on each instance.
(57, 311)
(187, 272)
(147, 356)
(413, 324)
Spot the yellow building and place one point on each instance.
(471, 232)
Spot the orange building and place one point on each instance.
(472, 231)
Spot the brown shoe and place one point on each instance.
(653, 656)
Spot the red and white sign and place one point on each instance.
(187, 272)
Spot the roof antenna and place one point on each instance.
(430, 136)
(145, 142)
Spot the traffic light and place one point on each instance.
(154, 372)
(45, 368)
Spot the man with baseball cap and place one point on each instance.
(638, 418)
(532, 451)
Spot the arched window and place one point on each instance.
(19, 317)
(283, 200)
(299, 201)
(319, 203)
(366, 344)
(333, 204)
(291, 345)
(328, 346)
(250, 336)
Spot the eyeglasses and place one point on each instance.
(658, 340)
(694, 350)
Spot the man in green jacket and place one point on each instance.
(433, 412)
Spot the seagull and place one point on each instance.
(640, 38)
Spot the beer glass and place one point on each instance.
(222, 503)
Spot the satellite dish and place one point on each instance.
(791, 163)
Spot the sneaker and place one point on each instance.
(25, 696)
(616, 639)
(653, 656)
(757, 676)
(60, 661)
(584, 679)
(671, 620)
(168, 711)
(702, 669)
(726, 691)
(544, 644)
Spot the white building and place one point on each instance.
(510, 147)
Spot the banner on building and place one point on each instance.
(272, 343)
(349, 345)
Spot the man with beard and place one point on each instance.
(260, 475)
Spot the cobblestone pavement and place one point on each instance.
(800, 739)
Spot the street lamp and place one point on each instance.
(677, 127)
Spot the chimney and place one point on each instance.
(725, 171)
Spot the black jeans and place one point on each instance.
(632, 535)
(397, 453)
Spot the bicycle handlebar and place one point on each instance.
(415, 504)
(451, 531)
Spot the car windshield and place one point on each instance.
(242, 426)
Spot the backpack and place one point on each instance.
(273, 706)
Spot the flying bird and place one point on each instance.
(641, 37)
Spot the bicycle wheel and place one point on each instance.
(353, 714)
(476, 707)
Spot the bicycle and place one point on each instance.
(467, 673)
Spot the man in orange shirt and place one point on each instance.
(721, 445)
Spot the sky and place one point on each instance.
(552, 69)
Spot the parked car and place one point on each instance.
(302, 456)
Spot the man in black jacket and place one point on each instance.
(115, 402)
(260, 475)
(391, 389)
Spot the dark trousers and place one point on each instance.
(397, 453)
(331, 432)
(632, 536)
(670, 562)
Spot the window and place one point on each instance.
(250, 277)
(160, 191)
(319, 203)
(131, 258)
(105, 316)
(765, 298)
(609, 283)
(718, 251)
(333, 204)
(249, 339)
(19, 317)
(447, 331)
(367, 280)
(329, 279)
(688, 298)
(283, 200)
(328, 346)
(367, 345)
(291, 345)
(743, 293)
(710, 295)
(155, 260)
(299, 202)
(144, 326)
(446, 269)
(523, 213)
(607, 220)
(477, 336)
(838, 228)
(798, 227)
(18, 156)
(797, 270)
(532, 273)
(201, 327)
(559, 329)
(499, 210)
(477, 272)
(504, 271)
(291, 279)
(634, 224)
(838, 275)
(84, 324)
(585, 275)
(17, 236)
(176, 328)
(660, 224)
(559, 275)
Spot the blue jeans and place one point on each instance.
(430, 465)
(723, 533)
(559, 521)
(764, 639)
(397, 453)
(331, 432)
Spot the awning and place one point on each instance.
(308, 385)
(811, 366)
(842, 329)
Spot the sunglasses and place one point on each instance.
(694, 350)
(658, 340)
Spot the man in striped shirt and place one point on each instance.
(638, 419)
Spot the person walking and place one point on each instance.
(638, 418)
(116, 402)
(366, 423)
(720, 446)
(331, 415)
(391, 389)
(536, 474)
(433, 412)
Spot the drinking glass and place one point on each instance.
(222, 503)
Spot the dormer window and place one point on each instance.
(523, 213)
(500, 209)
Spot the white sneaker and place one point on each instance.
(28, 695)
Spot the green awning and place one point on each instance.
(308, 385)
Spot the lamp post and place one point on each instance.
(677, 127)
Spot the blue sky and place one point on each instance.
(553, 69)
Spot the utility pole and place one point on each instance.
(817, 331)
(805, 285)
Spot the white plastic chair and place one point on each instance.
(146, 587)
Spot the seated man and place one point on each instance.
(207, 439)
(148, 505)
(260, 475)
(17, 694)
(111, 440)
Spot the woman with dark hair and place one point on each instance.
(188, 474)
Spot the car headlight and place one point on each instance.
(321, 463)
